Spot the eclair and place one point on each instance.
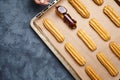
(62, 12)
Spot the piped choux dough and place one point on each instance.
(99, 2)
(102, 32)
(115, 48)
(107, 64)
(75, 54)
(80, 8)
(111, 13)
(87, 39)
(53, 30)
(92, 73)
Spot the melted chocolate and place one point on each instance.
(62, 12)
(117, 1)
(71, 22)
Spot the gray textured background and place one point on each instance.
(23, 55)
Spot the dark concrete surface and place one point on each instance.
(23, 55)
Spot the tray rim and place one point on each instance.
(50, 46)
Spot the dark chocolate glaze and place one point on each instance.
(71, 22)
(62, 11)
(117, 1)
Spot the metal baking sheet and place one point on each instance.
(71, 35)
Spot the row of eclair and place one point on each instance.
(98, 27)
(79, 58)
(84, 12)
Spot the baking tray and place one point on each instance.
(58, 49)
